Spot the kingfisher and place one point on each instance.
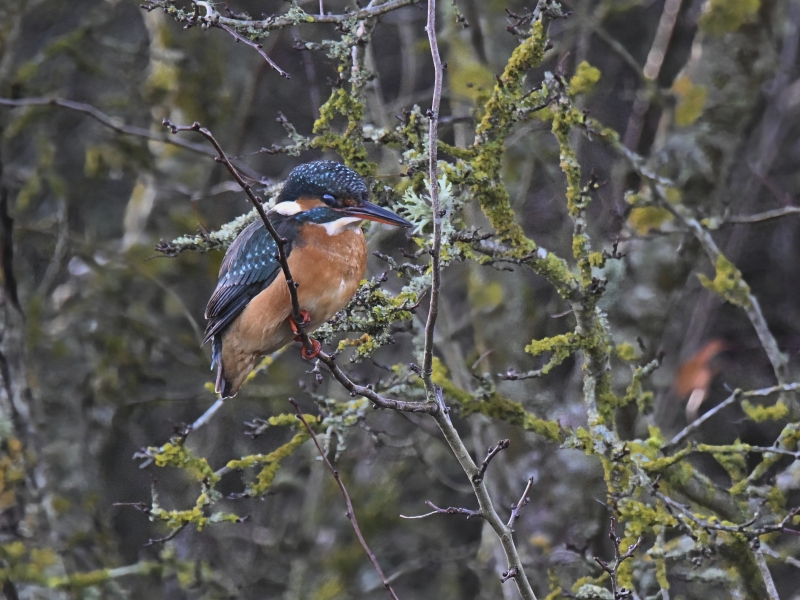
(319, 211)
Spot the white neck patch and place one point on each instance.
(286, 208)
(340, 225)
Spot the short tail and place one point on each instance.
(222, 386)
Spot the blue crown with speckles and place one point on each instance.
(323, 177)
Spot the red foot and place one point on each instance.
(306, 320)
(316, 347)
(315, 350)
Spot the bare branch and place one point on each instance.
(764, 216)
(119, 126)
(433, 176)
(258, 47)
(350, 512)
(446, 511)
(524, 500)
(765, 574)
(612, 570)
(493, 451)
(694, 425)
(163, 540)
(279, 22)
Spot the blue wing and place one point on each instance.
(248, 268)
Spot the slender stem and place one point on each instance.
(119, 126)
(764, 216)
(258, 48)
(765, 574)
(523, 500)
(681, 435)
(487, 510)
(350, 512)
(433, 176)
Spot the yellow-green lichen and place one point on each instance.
(584, 80)
(760, 413)
(728, 283)
(175, 454)
(691, 101)
(495, 406)
(561, 347)
(271, 462)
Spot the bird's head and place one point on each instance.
(326, 192)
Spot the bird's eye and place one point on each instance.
(329, 200)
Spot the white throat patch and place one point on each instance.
(286, 208)
(339, 225)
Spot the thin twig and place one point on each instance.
(681, 435)
(694, 425)
(765, 574)
(764, 216)
(493, 451)
(746, 529)
(350, 512)
(618, 560)
(660, 185)
(514, 375)
(259, 48)
(163, 540)
(119, 126)
(524, 499)
(433, 177)
(446, 511)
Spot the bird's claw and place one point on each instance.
(316, 348)
(295, 326)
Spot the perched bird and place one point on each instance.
(319, 211)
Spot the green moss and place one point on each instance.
(724, 16)
(597, 259)
(565, 119)
(691, 101)
(648, 217)
(584, 80)
(83, 580)
(495, 406)
(272, 462)
(349, 143)
(736, 551)
(760, 413)
(728, 283)
(734, 464)
(175, 454)
(498, 117)
(626, 352)
(561, 347)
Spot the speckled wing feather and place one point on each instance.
(249, 266)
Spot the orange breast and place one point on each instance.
(328, 269)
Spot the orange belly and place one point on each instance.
(328, 270)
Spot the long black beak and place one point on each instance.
(373, 212)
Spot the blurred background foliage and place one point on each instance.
(106, 359)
